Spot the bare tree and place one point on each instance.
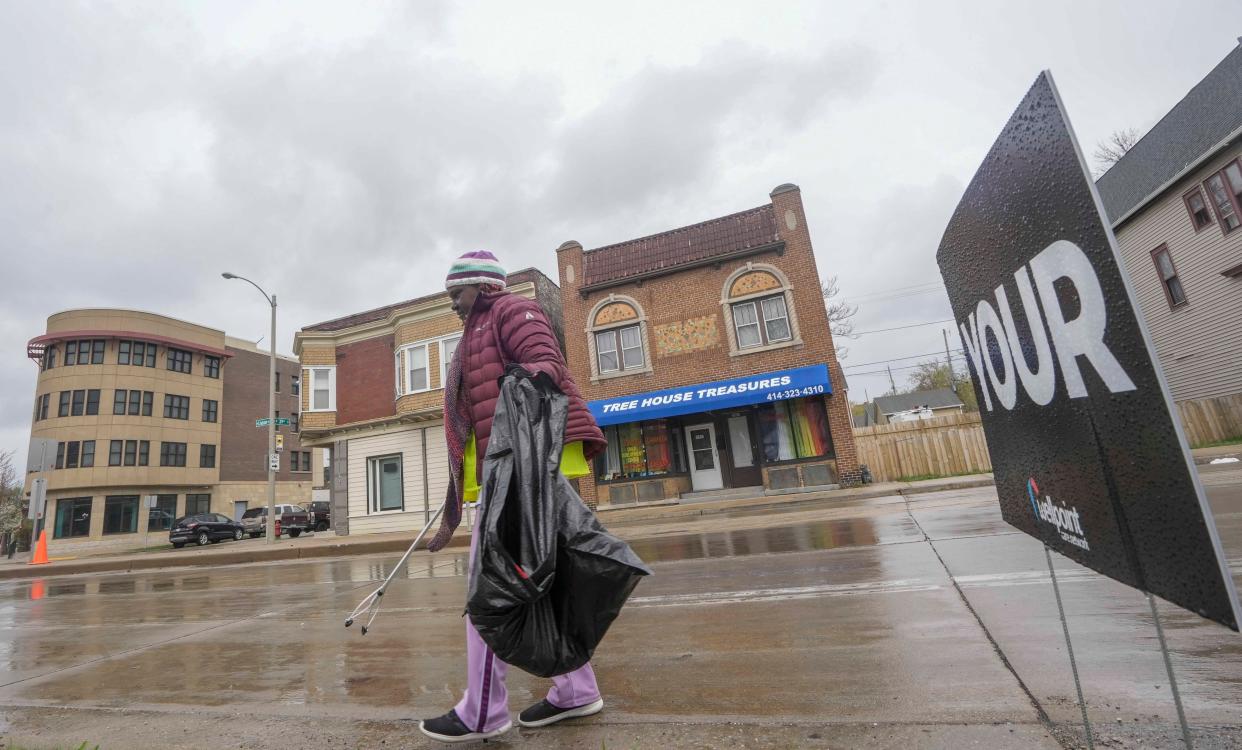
(936, 374)
(1110, 150)
(840, 314)
(11, 515)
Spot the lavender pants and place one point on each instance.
(485, 706)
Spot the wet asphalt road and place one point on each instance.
(818, 626)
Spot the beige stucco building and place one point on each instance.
(137, 405)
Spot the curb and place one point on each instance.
(767, 503)
(166, 560)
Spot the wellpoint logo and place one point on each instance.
(1065, 519)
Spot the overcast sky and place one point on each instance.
(341, 153)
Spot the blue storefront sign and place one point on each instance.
(721, 394)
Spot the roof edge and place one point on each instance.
(1206, 156)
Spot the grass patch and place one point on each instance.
(925, 477)
(156, 548)
(1222, 443)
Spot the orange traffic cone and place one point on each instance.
(40, 555)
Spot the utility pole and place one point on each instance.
(948, 361)
(892, 382)
(272, 465)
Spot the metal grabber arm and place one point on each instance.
(371, 604)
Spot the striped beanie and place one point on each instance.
(478, 267)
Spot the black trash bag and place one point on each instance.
(547, 580)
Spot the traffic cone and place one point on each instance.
(40, 555)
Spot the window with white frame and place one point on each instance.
(323, 388)
(385, 490)
(417, 373)
(619, 349)
(448, 348)
(761, 322)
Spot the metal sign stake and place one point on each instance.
(1082, 702)
(1168, 666)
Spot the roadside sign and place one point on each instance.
(280, 442)
(38, 498)
(41, 456)
(1088, 454)
(274, 461)
(280, 422)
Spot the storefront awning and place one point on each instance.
(720, 394)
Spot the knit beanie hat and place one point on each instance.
(478, 267)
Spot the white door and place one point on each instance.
(239, 508)
(704, 460)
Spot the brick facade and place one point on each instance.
(365, 384)
(243, 447)
(688, 325)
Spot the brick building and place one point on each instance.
(373, 396)
(243, 447)
(705, 353)
(153, 419)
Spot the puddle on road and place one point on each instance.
(823, 535)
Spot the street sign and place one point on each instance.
(274, 461)
(41, 456)
(280, 422)
(1088, 454)
(280, 443)
(38, 498)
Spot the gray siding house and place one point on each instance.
(1175, 204)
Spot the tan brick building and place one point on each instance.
(706, 354)
(153, 419)
(374, 398)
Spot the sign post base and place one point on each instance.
(1082, 702)
(1168, 666)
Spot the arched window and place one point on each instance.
(617, 338)
(758, 309)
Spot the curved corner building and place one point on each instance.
(136, 405)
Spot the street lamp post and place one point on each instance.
(271, 414)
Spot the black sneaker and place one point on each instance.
(448, 728)
(543, 713)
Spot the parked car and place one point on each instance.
(321, 514)
(203, 529)
(290, 519)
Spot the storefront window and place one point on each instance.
(794, 429)
(638, 450)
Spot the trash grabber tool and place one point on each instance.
(372, 603)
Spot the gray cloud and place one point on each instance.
(661, 132)
(341, 156)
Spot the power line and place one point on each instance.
(903, 367)
(898, 295)
(900, 289)
(900, 328)
(895, 359)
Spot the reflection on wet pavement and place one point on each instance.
(842, 619)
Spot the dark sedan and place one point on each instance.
(204, 529)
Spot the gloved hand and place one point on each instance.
(515, 370)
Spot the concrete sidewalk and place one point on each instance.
(329, 545)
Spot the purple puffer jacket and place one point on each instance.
(504, 328)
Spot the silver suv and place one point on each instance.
(290, 519)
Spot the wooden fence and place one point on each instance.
(955, 444)
(1209, 420)
(942, 446)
